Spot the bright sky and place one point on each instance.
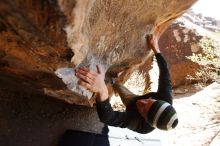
(209, 8)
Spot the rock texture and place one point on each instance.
(37, 37)
(178, 42)
(120, 42)
(29, 118)
(181, 39)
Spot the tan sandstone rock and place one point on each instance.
(36, 37)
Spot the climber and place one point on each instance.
(143, 113)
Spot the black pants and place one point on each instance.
(79, 138)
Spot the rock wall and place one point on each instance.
(115, 30)
(29, 118)
(37, 37)
(119, 42)
(178, 42)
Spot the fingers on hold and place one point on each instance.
(85, 78)
(88, 74)
(85, 84)
(98, 69)
(86, 70)
(149, 37)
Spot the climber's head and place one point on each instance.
(158, 113)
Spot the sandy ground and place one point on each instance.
(199, 117)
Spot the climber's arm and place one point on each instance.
(94, 81)
(164, 84)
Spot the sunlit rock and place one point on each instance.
(38, 36)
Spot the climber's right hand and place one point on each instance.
(93, 81)
(152, 42)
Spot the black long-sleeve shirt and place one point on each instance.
(131, 118)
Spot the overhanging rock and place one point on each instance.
(36, 46)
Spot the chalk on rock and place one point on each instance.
(69, 78)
